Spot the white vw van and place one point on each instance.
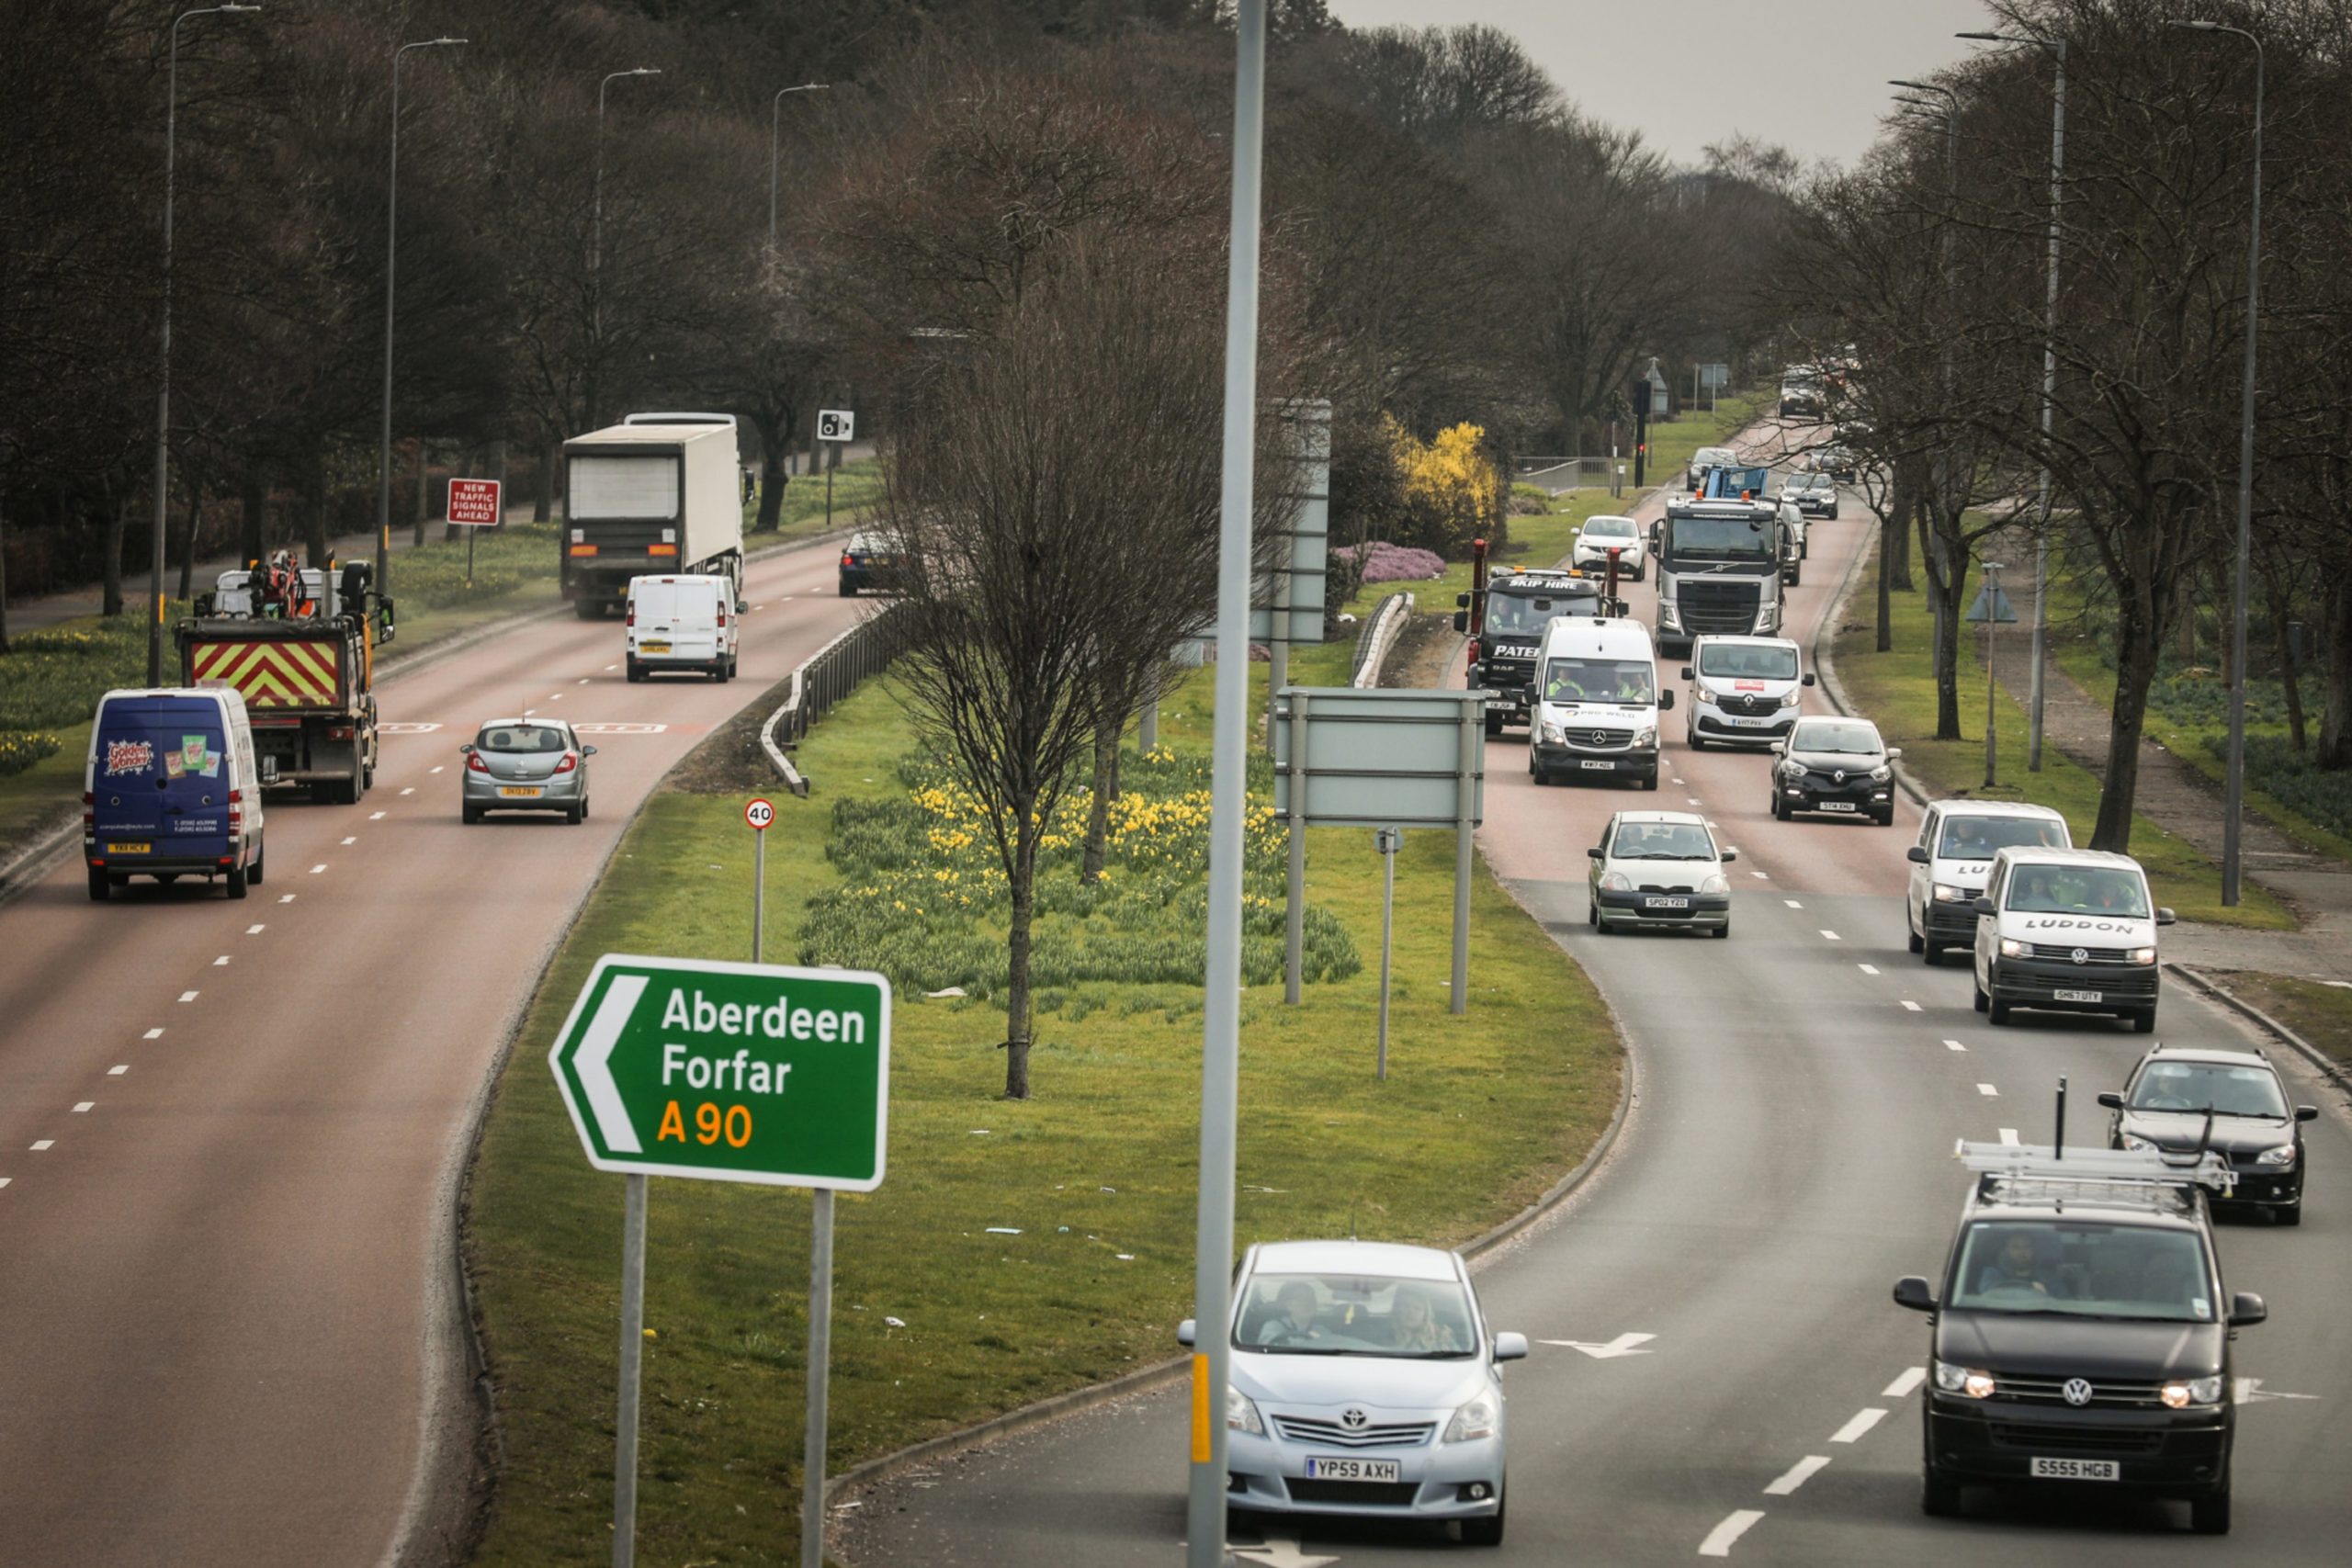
(2068, 931)
(1598, 701)
(1954, 855)
(684, 624)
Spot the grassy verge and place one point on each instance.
(2320, 1012)
(1898, 689)
(940, 1323)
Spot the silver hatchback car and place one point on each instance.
(526, 764)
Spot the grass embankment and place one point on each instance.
(938, 1321)
(2318, 1011)
(1898, 689)
(2188, 715)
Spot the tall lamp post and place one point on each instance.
(392, 255)
(596, 223)
(775, 124)
(2234, 804)
(163, 381)
(2035, 703)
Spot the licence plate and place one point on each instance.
(1596, 767)
(2077, 1470)
(2078, 995)
(1353, 1470)
(1665, 903)
(519, 792)
(131, 848)
(1743, 723)
(653, 648)
(1834, 805)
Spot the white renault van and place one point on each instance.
(684, 624)
(2068, 931)
(1598, 701)
(1744, 691)
(1954, 855)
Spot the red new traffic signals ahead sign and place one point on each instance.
(473, 503)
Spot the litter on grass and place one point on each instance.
(896, 1322)
(1002, 1230)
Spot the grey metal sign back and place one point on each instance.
(1288, 604)
(1379, 758)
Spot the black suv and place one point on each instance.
(2083, 1335)
(1836, 765)
(1520, 604)
(2165, 1103)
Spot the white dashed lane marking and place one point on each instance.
(286, 897)
(117, 1071)
(4, 1181)
(429, 771)
(1831, 936)
(1954, 1045)
(152, 1034)
(1759, 876)
(374, 817)
(222, 962)
(412, 788)
(1735, 1524)
(1988, 1091)
(353, 840)
(254, 931)
(1862, 1422)
(583, 679)
(1910, 1006)
(1793, 903)
(1867, 968)
(41, 1143)
(2010, 1136)
(1901, 1387)
(83, 1108)
(1798, 1474)
(318, 868)
(188, 996)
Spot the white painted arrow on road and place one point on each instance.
(1623, 1345)
(1278, 1553)
(2249, 1391)
(593, 1063)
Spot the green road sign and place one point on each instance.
(730, 1072)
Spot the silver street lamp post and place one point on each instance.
(596, 221)
(164, 348)
(775, 124)
(2234, 804)
(391, 255)
(2035, 703)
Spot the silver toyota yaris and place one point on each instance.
(524, 764)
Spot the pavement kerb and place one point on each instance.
(2230, 1000)
(1143, 1379)
(24, 869)
(1825, 667)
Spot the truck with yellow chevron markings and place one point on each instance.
(305, 663)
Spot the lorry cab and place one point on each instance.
(1954, 855)
(1597, 702)
(1719, 570)
(1744, 691)
(687, 624)
(2068, 931)
(171, 790)
(1505, 643)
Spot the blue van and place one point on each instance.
(171, 790)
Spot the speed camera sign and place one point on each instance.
(835, 424)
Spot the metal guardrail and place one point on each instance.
(822, 680)
(1379, 634)
(1559, 475)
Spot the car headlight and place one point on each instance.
(1791, 698)
(1553, 732)
(1667, 616)
(2283, 1155)
(1475, 1420)
(1881, 773)
(1645, 735)
(1966, 1381)
(2143, 955)
(1615, 882)
(2012, 948)
(2132, 1142)
(1709, 695)
(1791, 769)
(1718, 883)
(1240, 1415)
(2181, 1392)
(1947, 894)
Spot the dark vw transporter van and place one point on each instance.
(170, 790)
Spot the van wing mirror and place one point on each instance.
(1186, 1331)
(1596, 852)
(1981, 905)
(1689, 673)
(1666, 699)
(2165, 917)
(2111, 1099)
(1917, 855)
(1895, 753)
(1728, 854)
(1461, 620)
(2246, 1310)
(1511, 1347)
(1807, 680)
(1461, 601)
(1912, 1292)
(2307, 1114)
(743, 606)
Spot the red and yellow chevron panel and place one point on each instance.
(271, 674)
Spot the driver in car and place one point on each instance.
(2015, 1267)
(1293, 1320)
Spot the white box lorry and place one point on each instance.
(644, 497)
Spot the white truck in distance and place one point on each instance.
(658, 493)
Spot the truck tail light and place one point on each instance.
(722, 617)
(339, 732)
(584, 549)
(236, 812)
(660, 549)
(89, 816)
(632, 613)
(848, 560)
(571, 760)
(474, 764)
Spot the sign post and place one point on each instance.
(727, 1072)
(1387, 840)
(835, 425)
(473, 503)
(1992, 608)
(759, 813)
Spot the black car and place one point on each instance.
(2082, 1337)
(1815, 495)
(2183, 1099)
(867, 563)
(1520, 604)
(1834, 765)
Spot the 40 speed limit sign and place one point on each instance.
(759, 814)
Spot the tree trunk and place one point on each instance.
(543, 499)
(774, 434)
(2289, 677)
(1022, 887)
(4, 565)
(2138, 629)
(118, 504)
(2335, 672)
(1946, 576)
(314, 511)
(2184, 627)
(422, 491)
(1098, 810)
(253, 503)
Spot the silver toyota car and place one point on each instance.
(1364, 1381)
(526, 764)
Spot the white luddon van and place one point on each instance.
(2068, 931)
(684, 624)
(1954, 855)
(1598, 701)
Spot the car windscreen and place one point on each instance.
(1526, 614)
(1598, 680)
(1354, 1314)
(1752, 661)
(1662, 840)
(2082, 1269)
(1609, 529)
(2209, 1086)
(2078, 890)
(1835, 735)
(1975, 838)
(514, 738)
(1727, 538)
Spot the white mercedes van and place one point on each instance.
(684, 624)
(2068, 931)
(1598, 701)
(1949, 864)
